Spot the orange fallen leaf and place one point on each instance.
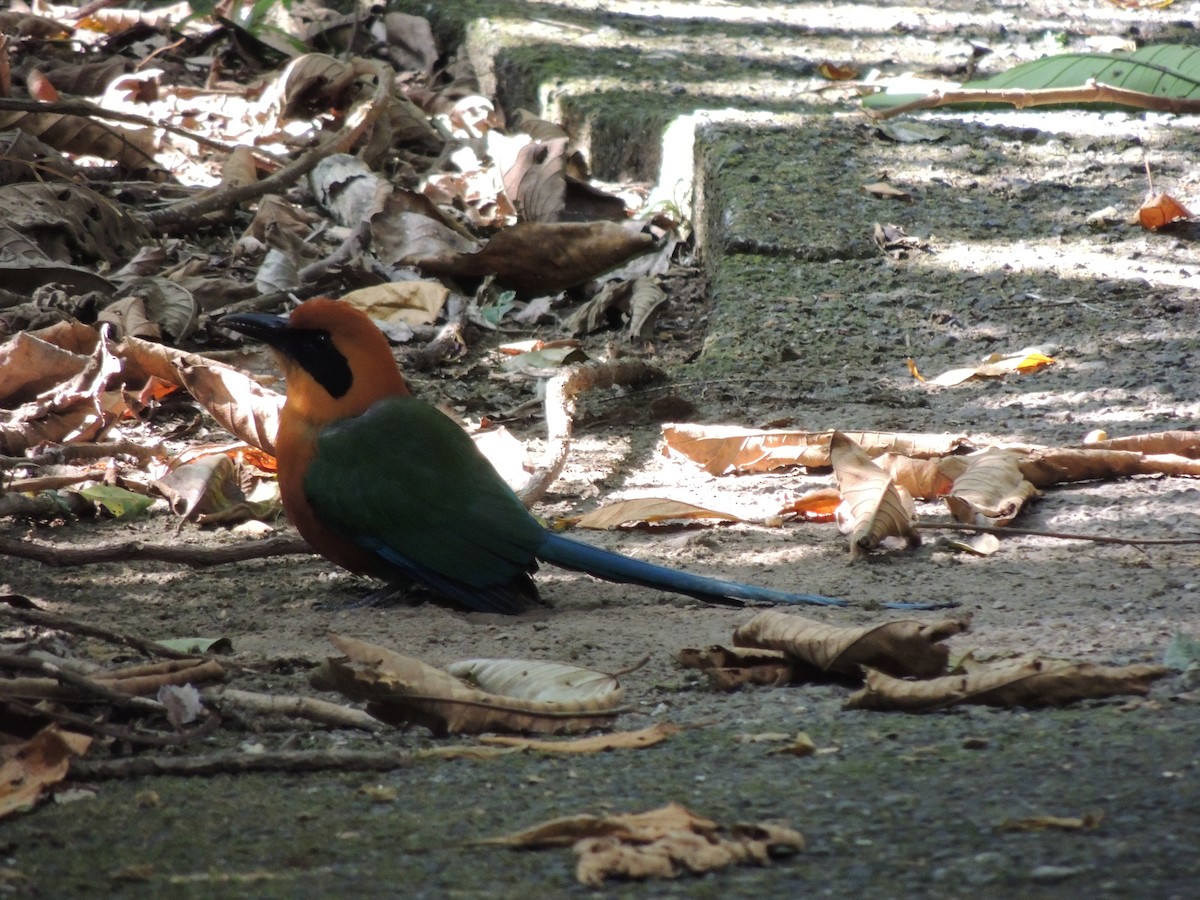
(837, 72)
(29, 768)
(1162, 210)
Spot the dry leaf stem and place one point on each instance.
(1059, 535)
(237, 763)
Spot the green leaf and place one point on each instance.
(1158, 70)
(116, 501)
(1162, 70)
(198, 645)
(492, 313)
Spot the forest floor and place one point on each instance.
(788, 316)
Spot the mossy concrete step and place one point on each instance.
(617, 74)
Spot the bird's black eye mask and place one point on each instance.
(312, 349)
(316, 353)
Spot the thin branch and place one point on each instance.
(1058, 535)
(237, 763)
(296, 707)
(71, 626)
(93, 725)
(84, 687)
(128, 551)
(561, 393)
(1091, 91)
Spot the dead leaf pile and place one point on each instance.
(879, 474)
(661, 843)
(902, 665)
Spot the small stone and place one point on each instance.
(1051, 874)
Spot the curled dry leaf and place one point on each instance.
(991, 491)
(727, 669)
(722, 449)
(240, 404)
(544, 258)
(1179, 443)
(650, 511)
(660, 843)
(874, 507)
(636, 301)
(30, 365)
(926, 479)
(1160, 210)
(901, 648)
(538, 697)
(1034, 682)
(1046, 467)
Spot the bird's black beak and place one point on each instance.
(271, 330)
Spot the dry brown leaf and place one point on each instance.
(1178, 443)
(925, 479)
(86, 136)
(539, 697)
(411, 302)
(1088, 822)
(30, 767)
(535, 176)
(29, 366)
(901, 648)
(240, 404)
(72, 218)
(991, 491)
(885, 191)
(648, 510)
(597, 743)
(1046, 467)
(722, 449)
(634, 302)
(874, 507)
(544, 258)
(1034, 682)
(728, 669)
(661, 843)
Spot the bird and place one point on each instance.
(386, 485)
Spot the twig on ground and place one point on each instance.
(296, 707)
(239, 763)
(196, 557)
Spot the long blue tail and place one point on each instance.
(562, 551)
